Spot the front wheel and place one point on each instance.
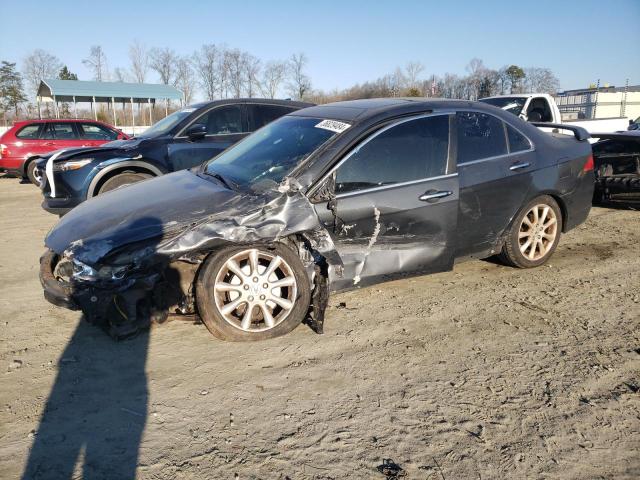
(534, 234)
(122, 180)
(252, 293)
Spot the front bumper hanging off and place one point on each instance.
(122, 310)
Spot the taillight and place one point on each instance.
(4, 151)
(588, 165)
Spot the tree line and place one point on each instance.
(218, 71)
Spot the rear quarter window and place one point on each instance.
(517, 141)
(28, 132)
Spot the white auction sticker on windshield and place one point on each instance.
(333, 125)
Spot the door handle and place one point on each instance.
(49, 144)
(433, 195)
(519, 166)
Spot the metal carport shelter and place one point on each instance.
(73, 91)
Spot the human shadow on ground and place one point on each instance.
(96, 411)
(95, 415)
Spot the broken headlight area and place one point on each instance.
(116, 298)
(82, 272)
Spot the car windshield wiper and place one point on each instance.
(227, 183)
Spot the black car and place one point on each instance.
(328, 198)
(184, 139)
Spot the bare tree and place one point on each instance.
(139, 58)
(163, 61)
(39, 65)
(300, 83)
(234, 63)
(120, 74)
(97, 63)
(206, 63)
(413, 71)
(477, 74)
(185, 80)
(540, 80)
(252, 67)
(273, 75)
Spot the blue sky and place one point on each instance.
(346, 41)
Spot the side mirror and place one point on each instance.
(197, 131)
(630, 122)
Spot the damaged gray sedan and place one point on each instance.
(325, 199)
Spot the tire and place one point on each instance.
(214, 292)
(528, 242)
(31, 174)
(122, 180)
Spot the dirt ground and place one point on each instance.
(483, 372)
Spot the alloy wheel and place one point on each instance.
(255, 290)
(538, 232)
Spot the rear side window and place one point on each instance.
(93, 131)
(479, 136)
(263, 114)
(413, 150)
(28, 132)
(58, 131)
(222, 120)
(517, 141)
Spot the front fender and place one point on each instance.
(108, 166)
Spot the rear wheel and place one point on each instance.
(32, 173)
(252, 293)
(534, 234)
(122, 180)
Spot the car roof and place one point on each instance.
(361, 110)
(57, 120)
(261, 101)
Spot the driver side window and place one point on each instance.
(222, 120)
(413, 150)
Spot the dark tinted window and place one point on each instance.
(263, 114)
(47, 132)
(30, 132)
(58, 131)
(479, 136)
(93, 131)
(413, 150)
(222, 120)
(517, 141)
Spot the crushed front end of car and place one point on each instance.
(126, 270)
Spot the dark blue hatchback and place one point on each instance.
(182, 140)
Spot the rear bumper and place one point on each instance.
(578, 202)
(12, 165)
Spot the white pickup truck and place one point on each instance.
(541, 107)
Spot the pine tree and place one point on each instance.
(11, 91)
(65, 74)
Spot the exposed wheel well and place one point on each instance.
(117, 171)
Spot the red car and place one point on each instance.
(25, 140)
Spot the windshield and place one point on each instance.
(512, 105)
(167, 123)
(272, 152)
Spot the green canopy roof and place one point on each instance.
(83, 91)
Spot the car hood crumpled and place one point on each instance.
(185, 213)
